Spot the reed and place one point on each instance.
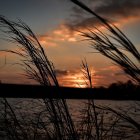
(90, 115)
(114, 44)
(102, 122)
(98, 123)
(38, 67)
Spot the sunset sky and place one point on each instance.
(53, 22)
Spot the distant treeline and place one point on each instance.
(116, 91)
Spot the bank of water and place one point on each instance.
(28, 108)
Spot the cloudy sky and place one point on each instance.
(54, 22)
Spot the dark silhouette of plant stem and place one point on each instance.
(115, 46)
(124, 116)
(38, 67)
(91, 105)
(103, 43)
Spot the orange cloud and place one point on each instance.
(46, 40)
(65, 33)
(71, 78)
(114, 10)
(112, 68)
(100, 77)
(75, 78)
(61, 34)
(107, 75)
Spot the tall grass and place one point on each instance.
(114, 44)
(90, 112)
(38, 67)
(98, 123)
(103, 122)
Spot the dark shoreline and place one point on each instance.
(37, 91)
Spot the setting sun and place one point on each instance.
(58, 33)
(79, 81)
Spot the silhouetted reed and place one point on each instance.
(90, 114)
(102, 122)
(114, 44)
(38, 67)
(97, 122)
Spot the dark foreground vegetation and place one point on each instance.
(54, 121)
(27, 119)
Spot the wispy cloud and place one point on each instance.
(100, 77)
(61, 34)
(46, 41)
(110, 74)
(72, 78)
(115, 10)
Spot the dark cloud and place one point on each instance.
(120, 8)
(61, 72)
(120, 73)
(110, 9)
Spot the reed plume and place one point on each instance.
(114, 45)
(37, 66)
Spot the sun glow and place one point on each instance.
(76, 78)
(79, 81)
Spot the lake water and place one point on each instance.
(27, 108)
(75, 106)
